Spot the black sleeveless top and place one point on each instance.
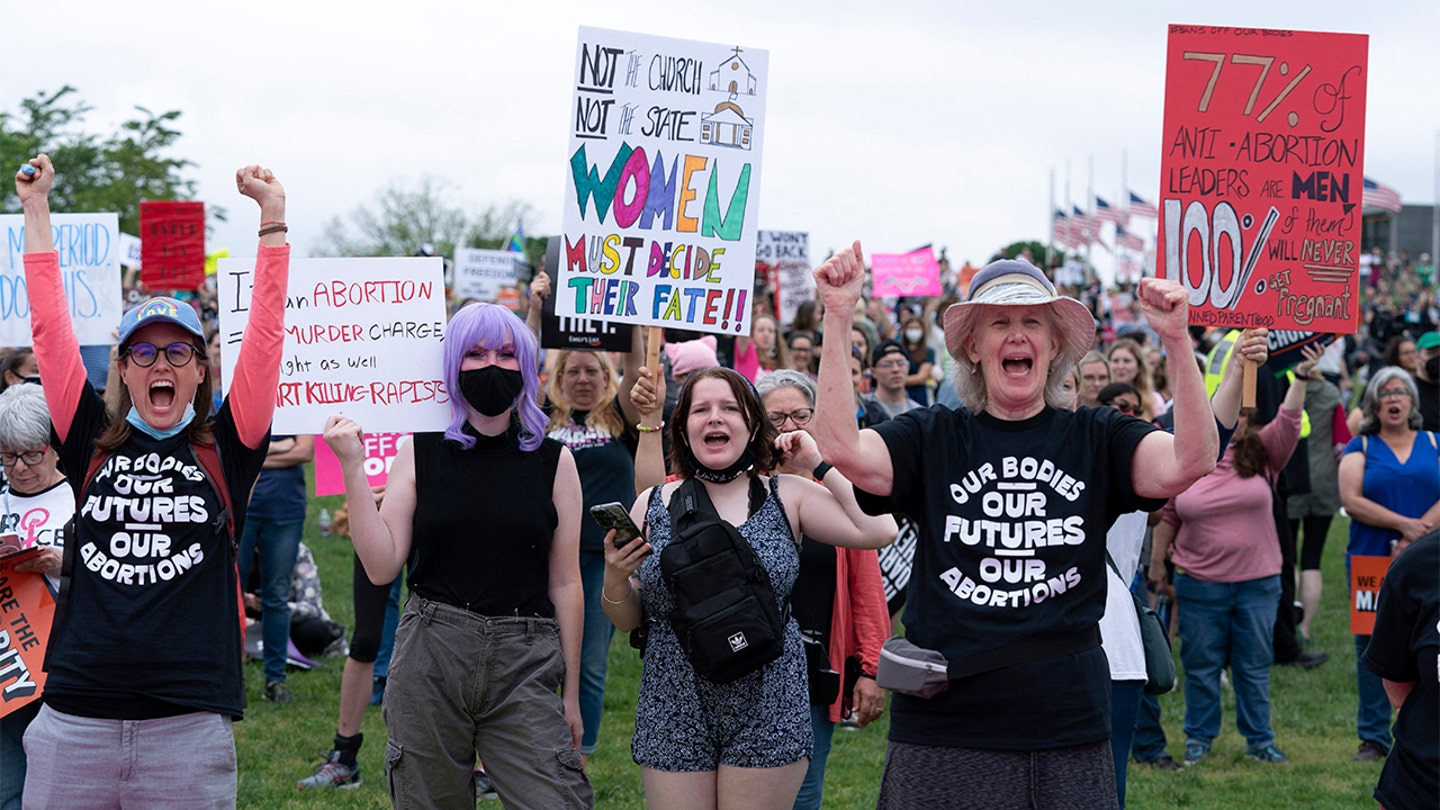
(484, 519)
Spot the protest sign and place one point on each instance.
(480, 274)
(662, 182)
(362, 338)
(27, 610)
(905, 274)
(129, 250)
(380, 451)
(172, 244)
(1366, 576)
(577, 333)
(89, 248)
(896, 563)
(1262, 175)
(1286, 347)
(788, 255)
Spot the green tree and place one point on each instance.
(404, 216)
(1038, 250)
(95, 172)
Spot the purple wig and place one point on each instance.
(491, 326)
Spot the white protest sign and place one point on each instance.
(362, 338)
(129, 250)
(480, 274)
(788, 254)
(89, 247)
(662, 182)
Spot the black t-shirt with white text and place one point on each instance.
(151, 624)
(1012, 518)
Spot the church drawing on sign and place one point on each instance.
(728, 126)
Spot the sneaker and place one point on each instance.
(332, 773)
(484, 788)
(377, 692)
(1307, 659)
(275, 692)
(1164, 762)
(1194, 752)
(1369, 752)
(1267, 754)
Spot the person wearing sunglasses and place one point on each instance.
(1123, 397)
(147, 638)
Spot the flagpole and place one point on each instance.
(1050, 245)
(1090, 192)
(1435, 209)
(1124, 196)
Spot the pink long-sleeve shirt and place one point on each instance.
(1226, 526)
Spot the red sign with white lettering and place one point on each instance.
(1262, 175)
(172, 244)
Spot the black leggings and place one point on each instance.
(371, 601)
(1314, 543)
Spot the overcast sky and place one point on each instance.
(898, 123)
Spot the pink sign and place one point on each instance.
(380, 450)
(905, 274)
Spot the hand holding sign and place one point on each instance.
(540, 287)
(46, 561)
(841, 279)
(1166, 307)
(35, 183)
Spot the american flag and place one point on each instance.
(1379, 195)
(1126, 239)
(1083, 229)
(1140, 208)
(1105, 212)
(1060, 230)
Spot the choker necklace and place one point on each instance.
(725, 476)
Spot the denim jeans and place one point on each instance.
(594, 649)
(1124, 706)
(812, 790)
(1234, 623)
(387, 635)
(1372, 722)
(1149, 742)
(279, 543)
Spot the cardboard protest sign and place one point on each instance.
(1366, 576)
(480, 274)
(27, 610)
(662, 182)
(362, 338)
(905, 274)
(380, 450)
(1286, 347)
(172, 244)
(89, 248)
(788, 255)
(896, 563)
(572, 332)
(1262, 175)
(129, 250)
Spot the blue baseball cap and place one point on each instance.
(161, 310)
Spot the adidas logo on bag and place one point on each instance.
(738, 642)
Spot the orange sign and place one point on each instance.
(1366, 575)
(26, 611)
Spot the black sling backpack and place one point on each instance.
(725, 612)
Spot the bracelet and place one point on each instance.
(867, 675)
(610, 601)
(278, 227)
(649, 429)
(821, 469)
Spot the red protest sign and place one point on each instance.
(1262, 175)
(1366, 576)
(172, 244)
(26, 612)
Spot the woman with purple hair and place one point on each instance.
(487, 516)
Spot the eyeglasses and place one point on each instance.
(1121, 405)
(1394, 393)
(177, 354)
(31, 458)
(799, 416)
(893, 364)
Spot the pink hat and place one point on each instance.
(692, 355)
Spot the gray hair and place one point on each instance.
(787, 378)
(1370, 403)
(24, 419)
(970, 383)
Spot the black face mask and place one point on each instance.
(492, 389)
(1432, 368)
(745, 462)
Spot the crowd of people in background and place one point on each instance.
(1194, 504)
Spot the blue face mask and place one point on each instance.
(144, 427)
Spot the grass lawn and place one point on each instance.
(1313, 718)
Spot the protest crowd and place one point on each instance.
(770, 475)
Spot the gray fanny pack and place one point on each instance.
(911, 670)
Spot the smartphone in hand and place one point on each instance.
(615, 516)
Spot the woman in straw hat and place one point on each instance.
(1014, 495)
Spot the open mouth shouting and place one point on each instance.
(162, 394)
(1017, 365)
